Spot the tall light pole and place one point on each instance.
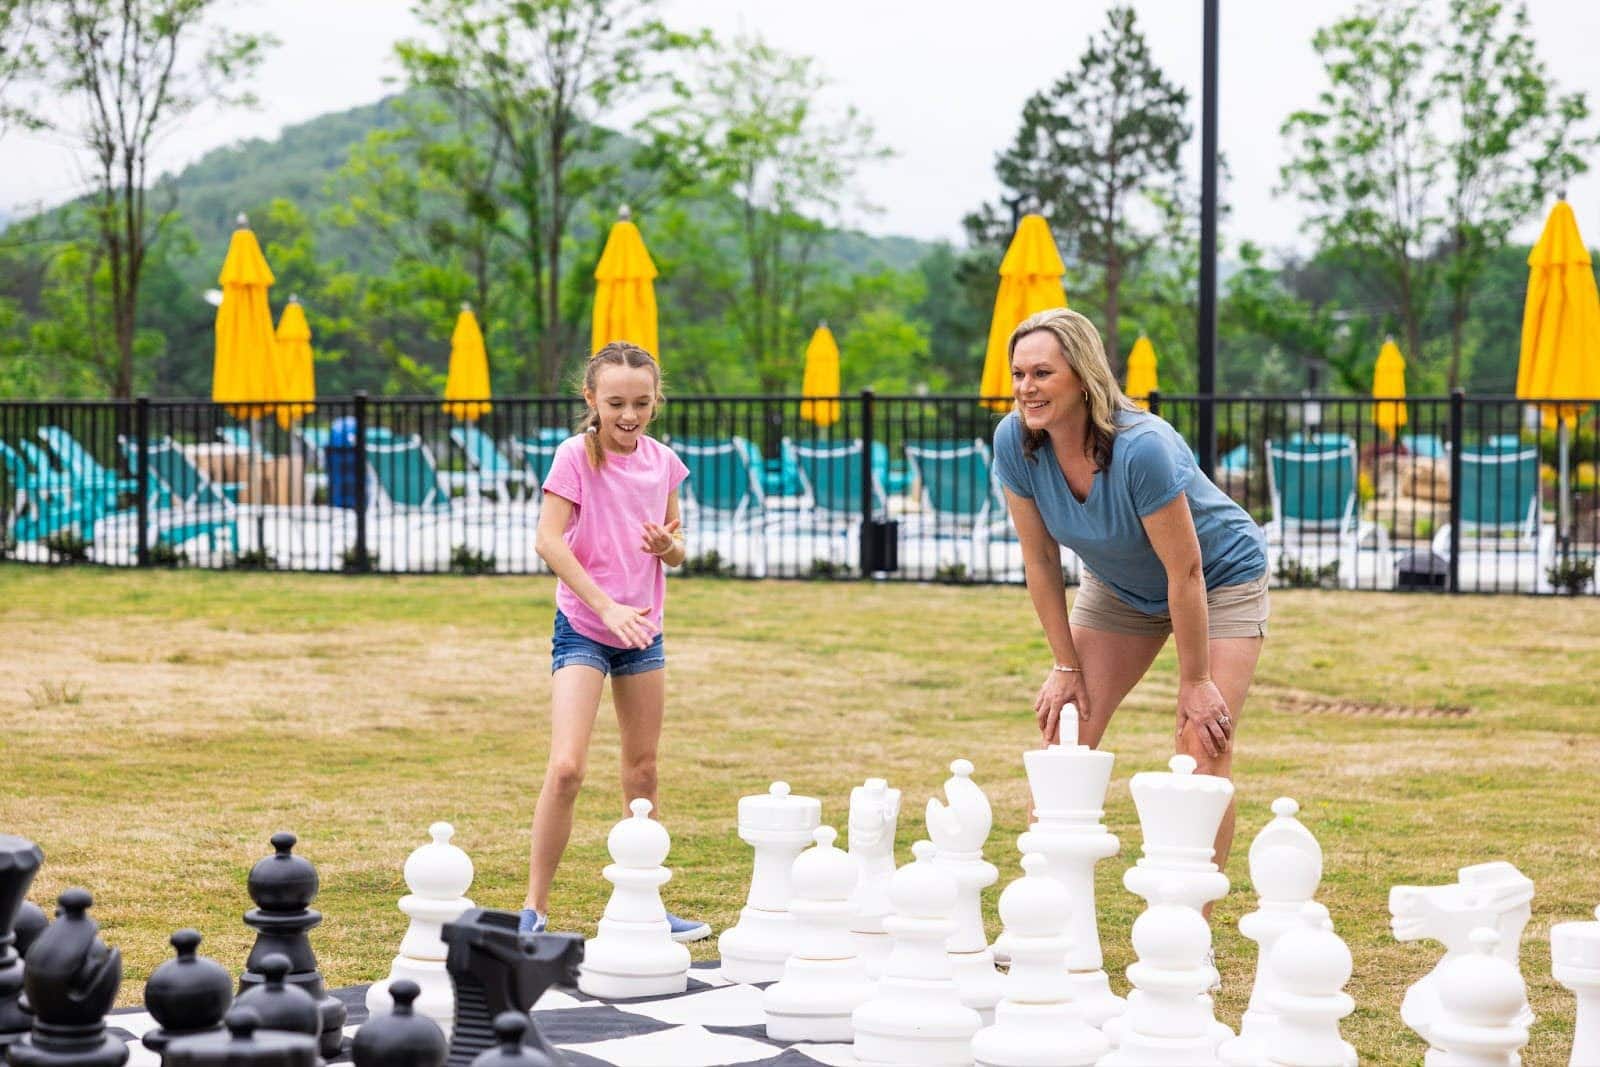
(1206, 445)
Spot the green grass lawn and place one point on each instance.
(161, 726)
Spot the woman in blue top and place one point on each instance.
(1164, 550)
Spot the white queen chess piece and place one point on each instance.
(1481, 1001)
(1575, 963)
(958, 830)
(633, 954)
(1310, 966)
(874, 813)
(438, 875)
(779, 826)
(824, 981)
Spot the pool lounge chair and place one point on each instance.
(1505, 545)
(1316, 515)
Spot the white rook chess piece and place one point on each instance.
(874, 812)
(778, 826)
(1482, 999)
(1285, 867)
(1068, 782)
(1307, 1000)
(438, 875)
(1575, 963)
(633, 954)
(1169, 1022)
(1495, 895)
(959, 830)
(824, 981)
(1036, 1024)
(917, 1017)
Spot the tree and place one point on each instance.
(18, 55)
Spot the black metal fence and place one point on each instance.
(1463, 494)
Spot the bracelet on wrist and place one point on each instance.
(1064, 669)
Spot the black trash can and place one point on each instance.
(339, 457)
(1422, 569)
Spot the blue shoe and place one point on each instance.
(687, 929)
(530, 922)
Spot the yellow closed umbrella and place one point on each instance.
(1141, 377)
(1389, 385)
(819, 388)
(466, 390)
(244, 373)
(297, 374)
(1030, 281)
(625, 291)
(1560, 357)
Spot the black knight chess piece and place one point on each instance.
(242, 1046)
(71, 982)
(187, 995)
(20, 860)
(494, 969)
(400, 1038)
(283, 886)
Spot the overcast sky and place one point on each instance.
(942, 81)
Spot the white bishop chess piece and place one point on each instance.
(438, 875)
(958, 831)
(633, 954)
(1310, 966)
(1036, 1024)
(874, 813)
(1481, 1000)
(916, 1018)
(1496, 895)
(779, 826)
(1575, 963)
(824, 981)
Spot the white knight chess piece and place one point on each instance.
(874, 813)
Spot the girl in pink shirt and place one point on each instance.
(608, 529)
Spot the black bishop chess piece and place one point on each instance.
(186, 995)
(494, 969)
(401, 1038)
(20, 860)
(511, 1034)
(70, 981)
(283, 886)
(243, 1046)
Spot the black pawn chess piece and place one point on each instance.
(494, 969)
(511, 1031)
(187, 995)
(243, 1046)
(20, 860)
(402, 1038)
(71, 982)
(31, 921)
(279, 1005)
(283, 886)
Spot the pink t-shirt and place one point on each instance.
(609, 509)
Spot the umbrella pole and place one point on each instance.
(1563, 506)
(257, 480)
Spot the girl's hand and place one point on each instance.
(1060, 689)
(658, 537)
(631, 625)
(1203, 711)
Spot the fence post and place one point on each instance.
(141, 429)
(1458, 419)
(363, 561)
(1154, 400)
(866, 457)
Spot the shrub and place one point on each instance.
(954, 573)
(827, 568)
(1571, 574)
(68, 547)
(350, 561)
(257, 559)
(464, 560)
(162, 554)
(1297, 575)
(709, 565)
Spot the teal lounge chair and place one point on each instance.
(1505, 544)
(957, 494)
(725, 500)
(487, 469)
(830, 480)
(406, 475)
(42, 502)
(82, 465)
(1316, 516)
(1426, 445)
(538, 454)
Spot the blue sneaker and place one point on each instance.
(687, 929)
(530, 922)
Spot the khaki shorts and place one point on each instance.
(1233, 611)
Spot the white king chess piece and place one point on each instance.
(1575, 963)
(779, 826)
(1482, 999)
(1495, 895)
(633, 954)
(958, 831)
(874, 813)
(438, 875)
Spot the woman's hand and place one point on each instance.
(659, 538)
(1202, 709)
(631, 625)
(1060, 688)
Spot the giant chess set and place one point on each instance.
(839, 956)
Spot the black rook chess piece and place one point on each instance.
(283, 886)
(187, 995)
(511, 1031)
(71, 981)
(20, 860)
(494, 969)
(402, 1038)
(280, 1006)
(242, 1046)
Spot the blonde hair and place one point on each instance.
(615, 354)
(1085, 353)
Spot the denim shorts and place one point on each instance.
(569, 648)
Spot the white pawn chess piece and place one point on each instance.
(1481, 1002)
(1169, 1021)
(958, 831)
(633, 954)
(438, 875)
(874, 812)
(917, 1017)
(1069, 782)
(779, 826)
(1310, 966)
(1036, 1024)
(1285, 868)
(1495, 895)
(1575, 963)
(824, 981)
